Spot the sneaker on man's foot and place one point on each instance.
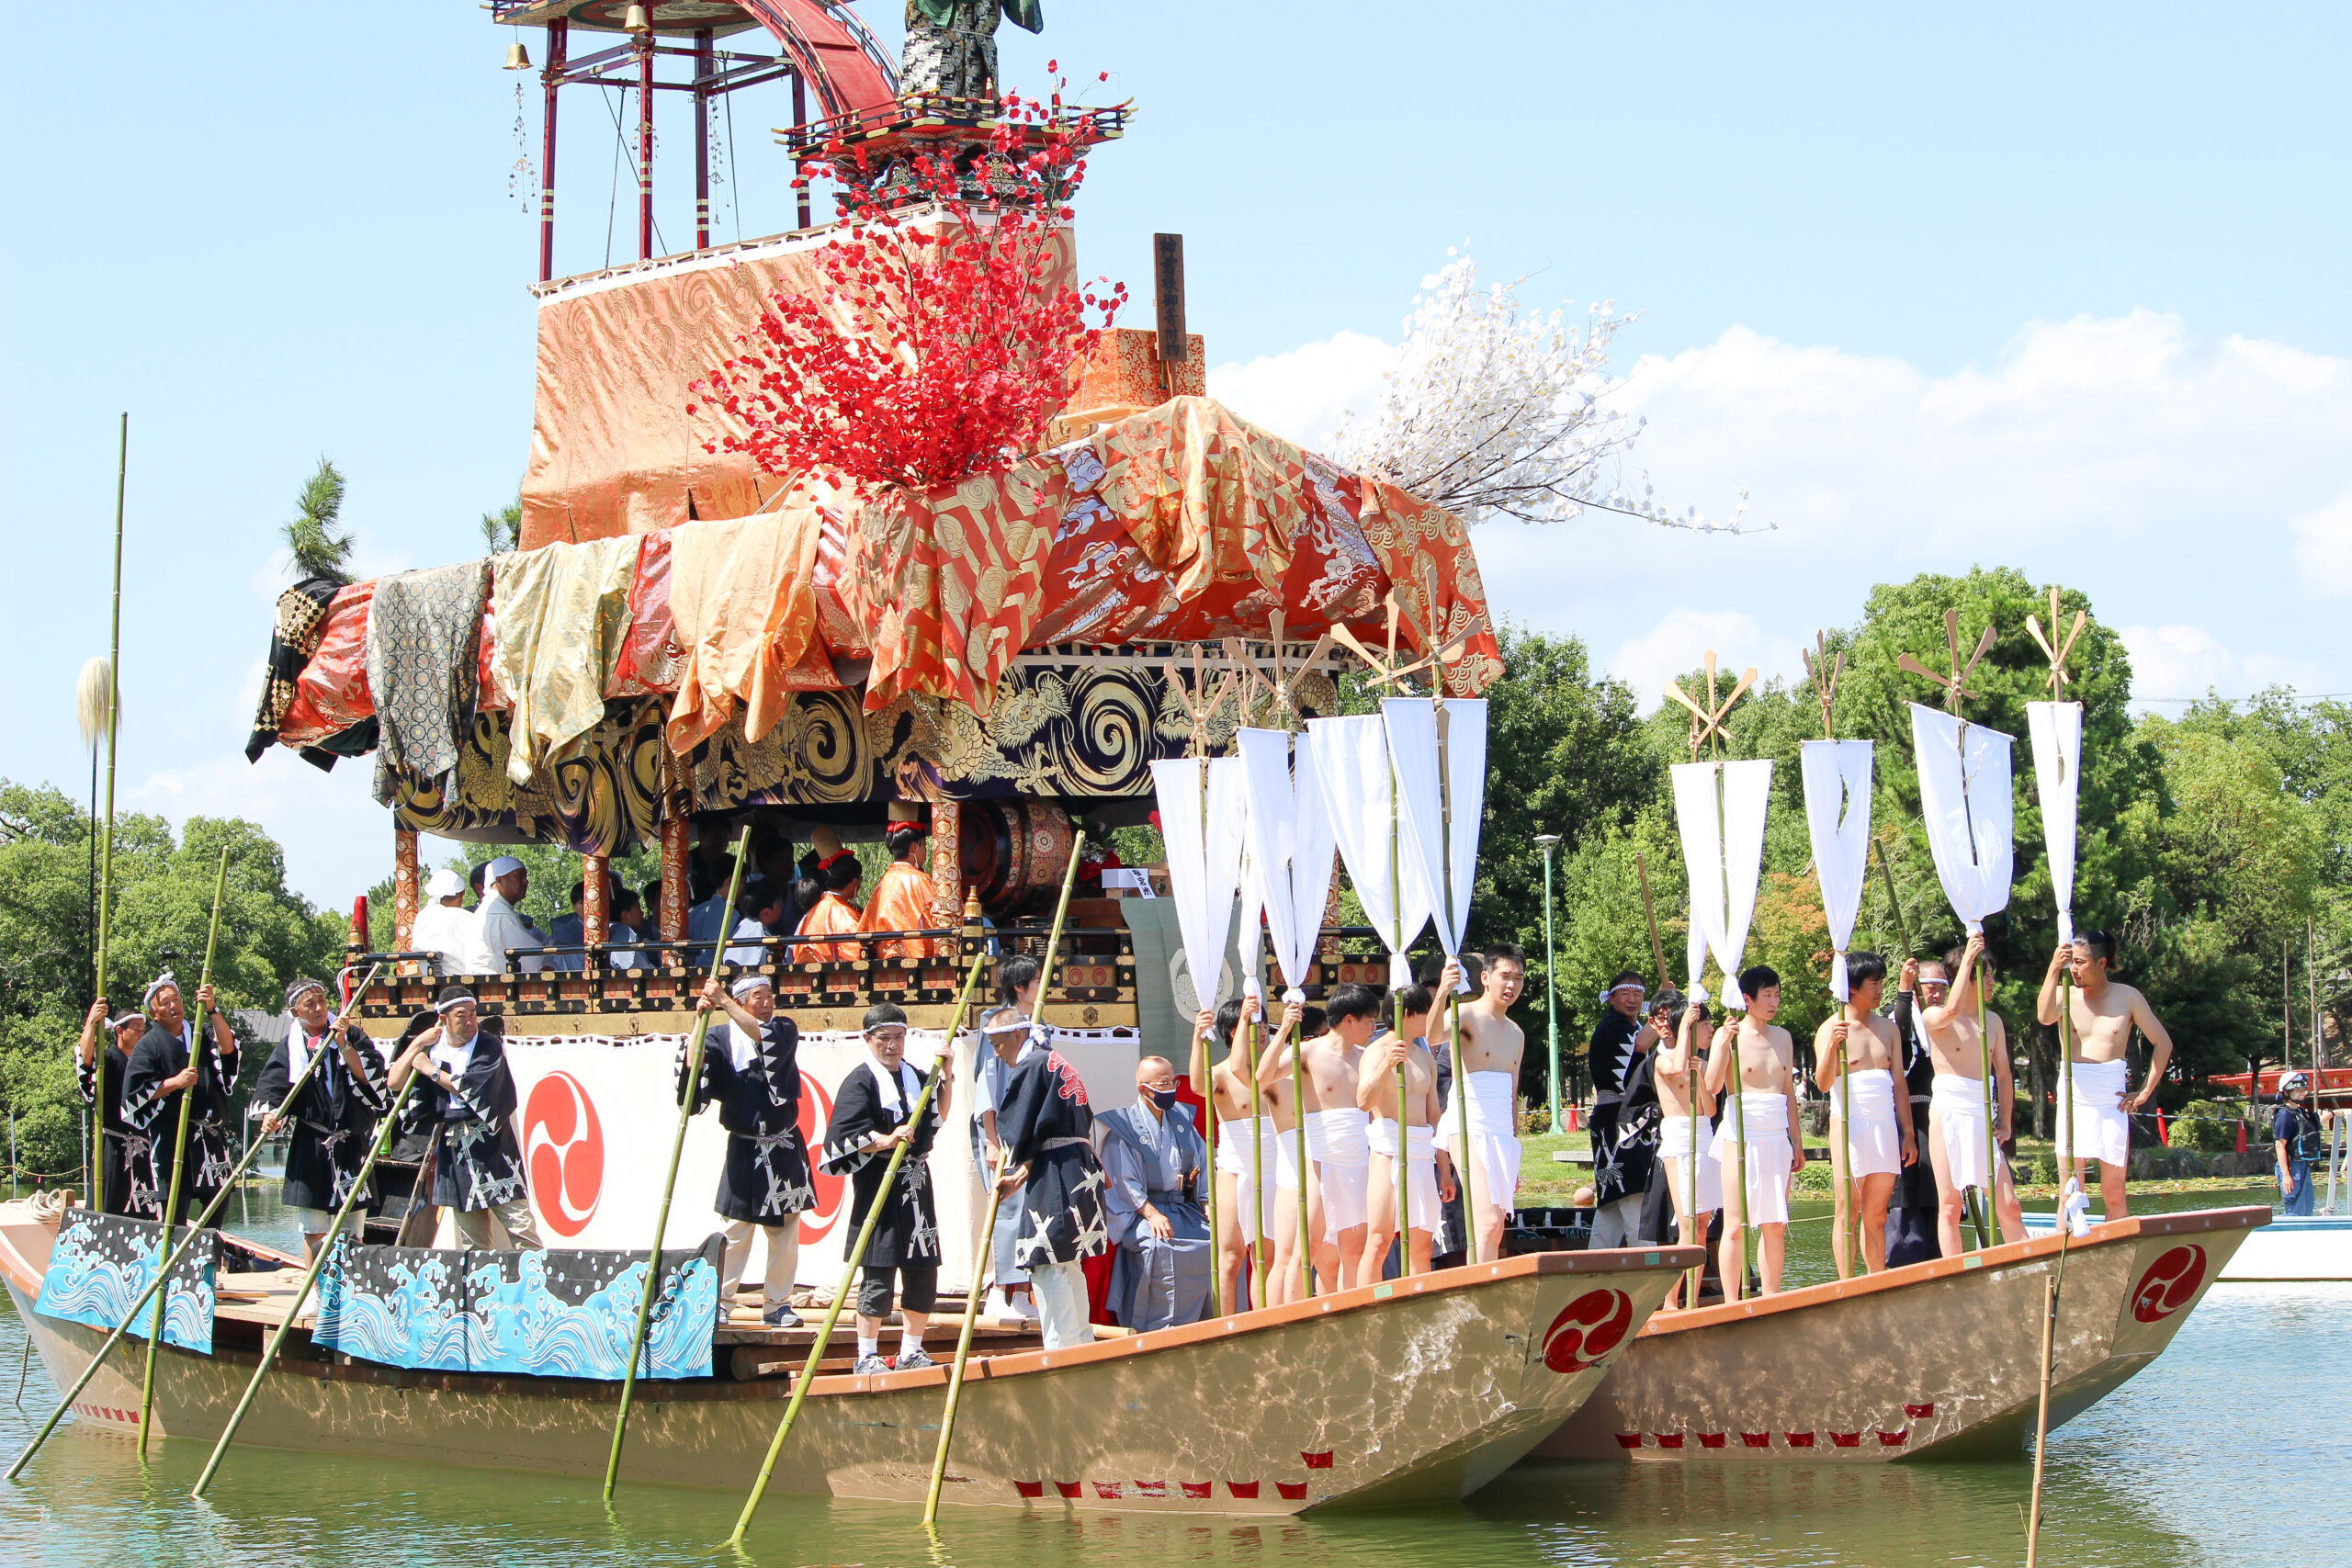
(1025, 1305)
(868, 1365)
(781, 1315)
(908, 1360)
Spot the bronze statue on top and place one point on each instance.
(951, 45)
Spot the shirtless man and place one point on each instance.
(1956, 1105)
(2104, 1015)
(1337, 1156)
(1491, 1048)
(1877, 1131)
(1679, 1133)
(1429, 1172)
(1764, 1119)
(1242, 1207)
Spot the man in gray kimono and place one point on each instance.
(1155, 1200)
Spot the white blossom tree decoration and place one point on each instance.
(1490, 415)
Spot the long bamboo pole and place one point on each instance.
(856, 1257)
(1470, 1215)
(1262, 1263)
(1736, 1290)
(105, 861)
(310, 1277)
(987, 1228)
(670, 1181)
(1992, 1111)
(197, 1036)
(2050, 1299)
(1841, 1157)
(253, 1149)
(1691, 1183)
(1657, 948)
(1298, 1132)
(1403, 1211)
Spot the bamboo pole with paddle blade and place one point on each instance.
(253, 1149)
(327, 1249)
(857, 1259)
(987, 1226)
(197, 1035)
(670, 1181)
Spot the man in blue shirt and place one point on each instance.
(2294, 1132)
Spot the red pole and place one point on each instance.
(702, 139)
(644, 146)
(799, 117)
(553, 76)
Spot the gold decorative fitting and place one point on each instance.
(518, 57)
(636, 22)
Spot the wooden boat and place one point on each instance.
(1417, 1390)
(1937, 1359)
(2291, 1248)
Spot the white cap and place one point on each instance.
(445, 884)
(504, 865)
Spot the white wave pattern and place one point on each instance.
(82, 1287)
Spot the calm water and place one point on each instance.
(2188, 1465)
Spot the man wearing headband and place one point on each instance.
(167, 1064)
(873, 1115)
(2105, 1013)
(334, 1118)
(116, 1137)
(449, 931)
(468, 1103)
(750, 1066)
(903, 899)
(1617, 1041)
(1047, 1126)
(1956, 1139)
(504, 929)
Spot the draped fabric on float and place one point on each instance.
(1413, 752)
(422, 667)
(1723, 847)
(2056, 731)
(293, 638)
(1838, 813)
(1964, 798)
(1200, 821)
(561, 618)
(1290, 841)
(1352, 762)
(743, 614)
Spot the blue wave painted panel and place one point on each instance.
(104, 1263)
(559, 1314)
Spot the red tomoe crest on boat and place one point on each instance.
(1586, 1329)
(816, 1109)
(563, 1150)
(2170, 1284)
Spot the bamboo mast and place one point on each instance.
(987, 1226)
(196, 1037)
(96, 1172)
(2059, 679)
(670, 1181)
(1847, 1207)
(163, 1273)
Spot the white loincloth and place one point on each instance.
(1956, 1107)
(1765, 1189)
(1494, 1133)
(1233, 1157)
(1285, 1158)
(1674, 1145)
(1420, 1165)
(1873, 1139)
(2100, 1128)
(1335, 1141)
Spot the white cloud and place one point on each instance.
(2323, 544)
(1675, 645)
(338, 841)
(2175, 662)
(1302, 394)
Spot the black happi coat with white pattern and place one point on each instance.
(114, 1165)
(907, 1230)
(332, 1125)
(1047, 1125)
(479, 1163)
(765, 1179)
(153, 1117)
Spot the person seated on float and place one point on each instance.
(760, 905)
(506, 929)
(1765, 1120)
(570, 931)
(873, 1115)
(903, 899)
(828, 894)
(333, 1121)
(446, 928)
(621, 942)
(467, 1102)
(1155, 1169)
(751, 1066)
(1429, 1175)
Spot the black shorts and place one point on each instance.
(918, 1287)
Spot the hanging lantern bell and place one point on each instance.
(635, 21)
(518, 57)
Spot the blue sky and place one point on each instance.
(2055, 286)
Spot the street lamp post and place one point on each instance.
(1550, 987)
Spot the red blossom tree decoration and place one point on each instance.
(942, 337)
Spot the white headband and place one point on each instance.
(750, 982)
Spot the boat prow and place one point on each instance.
(1939, 1360)
(2292, 1248)
(1411, 1390)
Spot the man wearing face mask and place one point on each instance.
(1155, 1169)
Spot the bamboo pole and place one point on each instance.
(1298, 1129)
(105, 861)
(1657, 948)
(2050, 1298)
(163, 1273)
(286, 1326)
(198, 1035)
(670, 1181)
(1734, 1290)
(1262, 1263)
(1690, 1180)
(1992, 1111)
(856, 1257)
(1403, 1211)
(1841, 1157)
(1470, 1215)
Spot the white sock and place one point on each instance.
(868, 1346)
(909, 1340)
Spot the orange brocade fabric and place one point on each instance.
(744, 612)
(901, 902)
(831, 916)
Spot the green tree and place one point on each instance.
(503, 530)
(310, 536)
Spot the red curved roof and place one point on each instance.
(846, 70)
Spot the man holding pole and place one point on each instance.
(1686, 1136)
(167, 1064)
(1877, 1123)
(1295, 1192)
(1956, 1106)
(334, 1117)
(1047, 1126)
(1336, 1130)
(1247, 1152)
(1428, 1174)
(751, 1066)
(1760, 1121)
(2103, 1017)
(1492, 1047)
(116, 1137)
(468, 1103)
(873, 1115)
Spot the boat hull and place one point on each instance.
(1936, 1360)
(2314, 1248)
(1420, 1390)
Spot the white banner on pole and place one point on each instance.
(1352, 759)
(1837, 813)
(2056, 731)
(1964, 797)
(1449, 860)
(1722, 850)
(1289, 829)
(1200, 822)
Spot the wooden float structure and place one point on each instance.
(1932, 1361)
(1275, 1412)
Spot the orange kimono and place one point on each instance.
(901, 902)
(833, 915)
